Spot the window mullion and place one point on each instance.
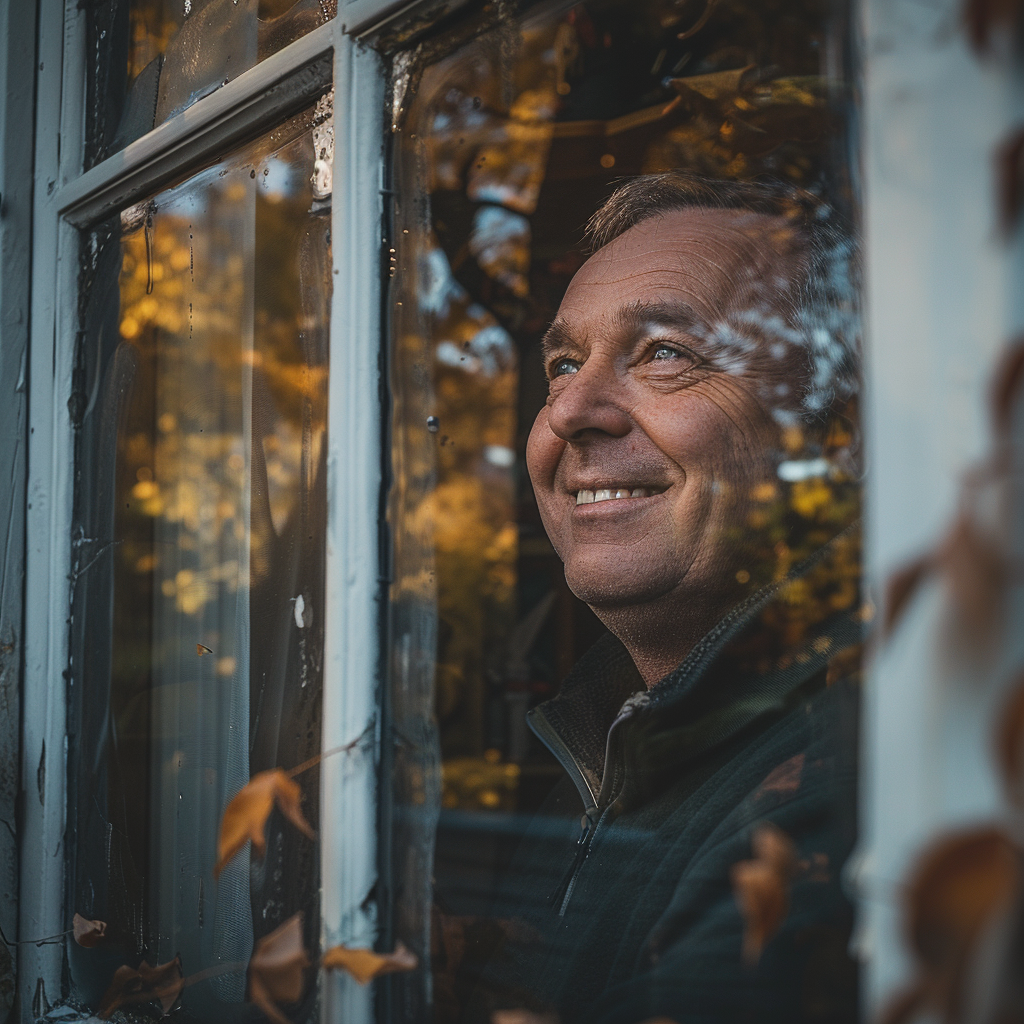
(351, 677)
(49, 556)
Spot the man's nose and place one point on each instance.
(590, 403)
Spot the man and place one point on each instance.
(694, 469)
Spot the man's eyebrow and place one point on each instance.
(638, 316)
(633, 319)
(558, 336)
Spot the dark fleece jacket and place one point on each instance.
(757, 726)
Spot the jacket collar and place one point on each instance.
(754, 664)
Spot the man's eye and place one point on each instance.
(667, 352)
(562, 367)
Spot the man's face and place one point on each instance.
(664, 362)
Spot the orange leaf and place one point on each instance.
(761, 888)
(1010, 744)
(365, 964)
(161, 984)
(982, 16)
(977, 571)
(245, 817)
(89, 933)
(957, 885)
(901, 587)
(202, 649)
(276, 969)
(1007, 381)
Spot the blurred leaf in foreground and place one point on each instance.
(276, 969)
(245, 817)
(364, 964)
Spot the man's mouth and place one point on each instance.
(587, 497)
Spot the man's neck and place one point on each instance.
(659, 635)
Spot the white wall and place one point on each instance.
(943, 295)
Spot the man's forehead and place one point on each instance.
(703, 258)
(696, 233)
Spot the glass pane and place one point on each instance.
(625, 609)
(150, 59)
(199, 568)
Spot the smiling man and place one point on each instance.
(694, 469)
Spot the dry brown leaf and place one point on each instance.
(1010, 743)
(364, 964)
(982, 17)
(88, 933)
(276, 969)
(129, 987)
(245, 817)
(202, 649)
(1009, 160)
(977, 571)
(761, 887)
(956, 887)
(902, 585)
(1006, 385)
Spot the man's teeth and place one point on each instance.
(610, 493)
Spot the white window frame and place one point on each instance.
(66, 200)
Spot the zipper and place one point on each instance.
(598, 807)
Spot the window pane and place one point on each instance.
(150, 59)
(644, 515)
(199, 565)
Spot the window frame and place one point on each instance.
(65, 201)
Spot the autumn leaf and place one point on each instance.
(982, 17)
(245, 817)
(761, 888)
(902, 585)
(957, 885)
(977, 571)
(364, 964)
(88, 933)
(1010, 743)
(276, 969)
(1006, 386)
(202, 649)
(130, 986)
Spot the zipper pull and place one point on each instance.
(582, 849)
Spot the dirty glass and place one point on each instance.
(150, 59)
(198, 579)
(625, 596)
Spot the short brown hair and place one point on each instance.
(828, 313)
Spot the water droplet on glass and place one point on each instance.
(433, 424)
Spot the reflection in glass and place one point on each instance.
(504, 149)
(153, 58)
(199, 540)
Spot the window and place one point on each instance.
(510, 134)
(191, 444)
(201, 501)
(151, 59)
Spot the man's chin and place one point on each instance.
(602, 587)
